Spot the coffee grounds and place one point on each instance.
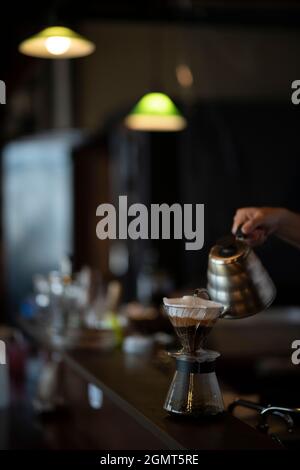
(191, 332)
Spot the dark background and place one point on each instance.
(231, 155)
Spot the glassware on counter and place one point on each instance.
(76, 311)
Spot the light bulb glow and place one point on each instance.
(184, 76)
(57, 45)
(155, 112)
(56, 42)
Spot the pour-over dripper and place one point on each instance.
(192, 318)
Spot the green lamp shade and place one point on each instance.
(155, 112)
(57, 42)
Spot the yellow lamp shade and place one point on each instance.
(57, 42)
(155, 112)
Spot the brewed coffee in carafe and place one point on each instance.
(194, 390)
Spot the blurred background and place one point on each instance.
(227, 65)
(65, 150)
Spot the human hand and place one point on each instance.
(257, 223)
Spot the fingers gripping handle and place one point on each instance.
(239, 235)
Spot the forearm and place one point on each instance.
(289, 227)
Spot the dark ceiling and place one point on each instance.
(25, 18)
(163, 10)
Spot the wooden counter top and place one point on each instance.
(138, 385)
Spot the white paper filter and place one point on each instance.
(193, 307)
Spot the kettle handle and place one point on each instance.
(239, 235)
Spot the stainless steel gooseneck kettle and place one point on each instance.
(237, 278)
